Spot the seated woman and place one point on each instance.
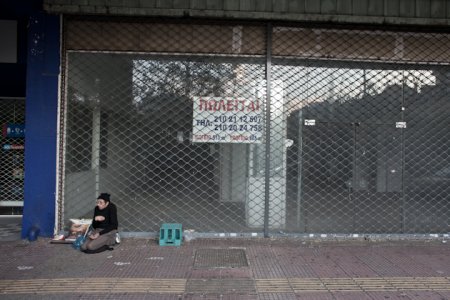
(104, 225)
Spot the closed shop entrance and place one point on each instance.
(236, 128)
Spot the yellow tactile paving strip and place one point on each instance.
(178, 286)
(299, 285)
(93, 285)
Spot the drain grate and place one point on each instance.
(220, 258)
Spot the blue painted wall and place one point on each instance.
(43, 60)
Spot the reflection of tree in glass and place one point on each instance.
(155, 79)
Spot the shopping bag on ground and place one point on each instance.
(78, 242)
(81, 239)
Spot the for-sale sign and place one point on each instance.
(227, 120)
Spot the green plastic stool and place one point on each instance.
(170, 234)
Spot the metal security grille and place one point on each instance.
(12, 120)
(240, 128)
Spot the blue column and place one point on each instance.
(43, 59)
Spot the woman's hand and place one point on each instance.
(100, 218)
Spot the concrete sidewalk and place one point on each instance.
(253, 268)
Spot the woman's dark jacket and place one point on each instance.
(110, 222)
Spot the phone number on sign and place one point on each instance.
(235, 119)
(235, 127)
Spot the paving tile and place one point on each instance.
(277, 296)
(327, 269)
(236, 273)
(380, 265)
(206, 273)
(388, 295)
(315, 296)
(351, 296)
(220, 296)
(445, 295)
(297, 270)
(419, 295)
(438, 263)
(409, 266)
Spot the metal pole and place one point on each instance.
(267, 128)
(403, 155)
(95, 152)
